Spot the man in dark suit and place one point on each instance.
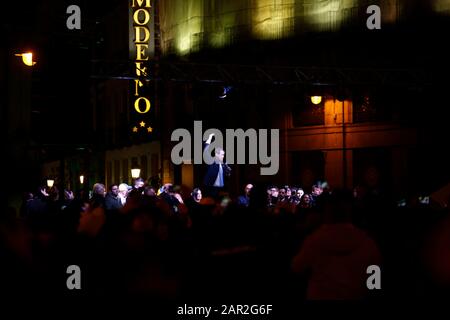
(216, 172)
(112, 201)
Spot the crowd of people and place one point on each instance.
(271, 241)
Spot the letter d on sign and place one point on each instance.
(74, 280)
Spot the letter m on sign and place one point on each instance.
(140, 3)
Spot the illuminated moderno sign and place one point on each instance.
(142, 48)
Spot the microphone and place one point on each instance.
(227, 168)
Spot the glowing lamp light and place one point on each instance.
(316, 99)
(135, 173)
(81, 179)
(50, 183)
(27, 58)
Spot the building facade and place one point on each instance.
(138, 70)
(368, 130)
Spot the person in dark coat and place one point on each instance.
(216, 172)
(112, 201)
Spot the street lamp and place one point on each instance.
(81, 179)
(50, 183)
(135, 173)
(27, 58)
(316, 99)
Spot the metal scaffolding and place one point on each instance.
(266, 74)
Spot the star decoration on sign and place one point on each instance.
(144, 126)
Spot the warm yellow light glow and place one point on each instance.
(217, 39)
(326, 15)
(184, 23)
(81, 179)
(135, 173)
(27, 58)
(184, 45)
(273, 19)
(316, 99)
(50, 183)
(188, 25)
(441, 6)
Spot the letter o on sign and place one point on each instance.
(138, 107)
(136, 17)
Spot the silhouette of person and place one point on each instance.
(216, 172)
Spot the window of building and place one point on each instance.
(376, 106)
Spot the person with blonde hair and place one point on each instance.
(123, 193)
